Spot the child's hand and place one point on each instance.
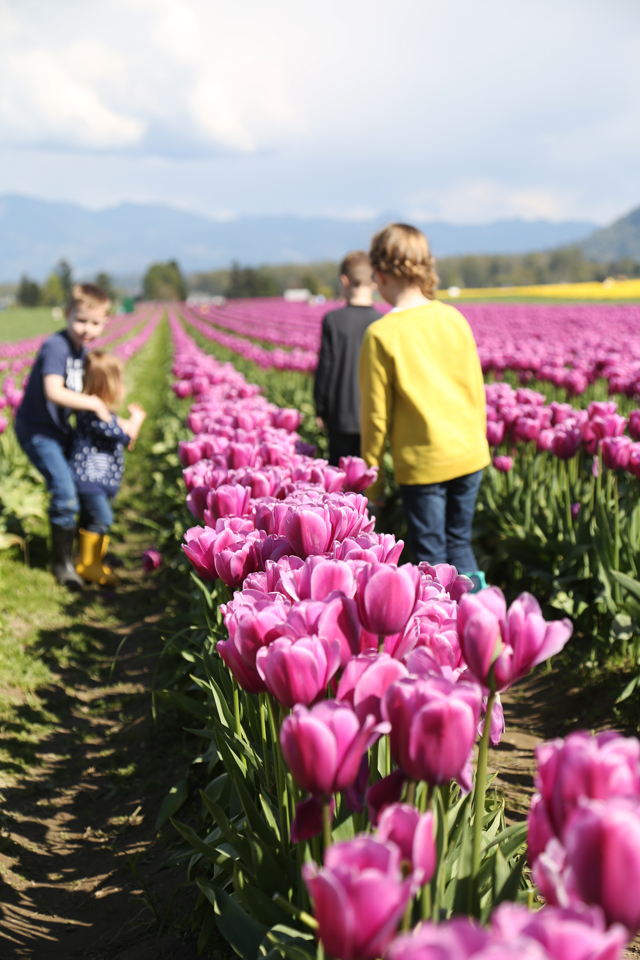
(137, 413)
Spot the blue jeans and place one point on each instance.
(95, 512)
(48, 456)
(439, 518)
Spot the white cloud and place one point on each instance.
(460, 110)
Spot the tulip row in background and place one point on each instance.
(559, 511)
(340, 698)
(566, 346)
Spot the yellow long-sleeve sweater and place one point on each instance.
(421, 385)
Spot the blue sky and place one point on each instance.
(460, 110)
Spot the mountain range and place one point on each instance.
(125, 239)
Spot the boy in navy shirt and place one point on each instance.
(42, 422)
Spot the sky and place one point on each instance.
(454, 110)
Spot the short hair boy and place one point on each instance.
(336, 392)
(42, 421)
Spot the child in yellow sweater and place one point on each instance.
(421, 387)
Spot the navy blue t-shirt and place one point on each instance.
(97, 459)
(36, 414)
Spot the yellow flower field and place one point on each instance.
(609, 289)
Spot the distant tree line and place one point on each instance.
(567, 264)
(268, 281)
(56, 289)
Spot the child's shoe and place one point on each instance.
(62, 550)
(90, 568)
(478, 580)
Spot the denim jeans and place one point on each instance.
(95, 512)
(439, 518)
(48, 456)
(343, 445)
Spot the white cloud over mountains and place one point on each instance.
(456, 109)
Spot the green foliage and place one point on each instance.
(22, 495)
(16, 323)
(323, 276)
(247, 282)
(28, 293)
(567, 264)
(53, 294)
(65, 275)
(164, 281)
(105, 282)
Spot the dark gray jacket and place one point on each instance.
(336, 393)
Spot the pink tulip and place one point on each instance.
(611, 425)
(501, 647)
(433, 727)
(383, 793)
(252, 626)
(357, 475)
(565, 442)
(323, 747)
(634, 424)
(386, 597)
(545, 440)
(298, 671)
(4, 423)
(366, 679)
(495, 432)
(413, 832)
(236, 561)
(633, 465)
(151, 560)
(308, 530)
(615, 452)
(189, 452)
(246, 676)
(601, 408)
(356, 875)
(229, 500)
(602, 840)
(539, 829)
(503, 464)
(308, 821)
(287, 419)
(319, 577)
(198, 546)
(585, 767)
(526, 429)
(458, 939)
(570, 934)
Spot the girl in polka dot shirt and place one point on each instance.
(97, 461)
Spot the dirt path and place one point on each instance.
(80, 858)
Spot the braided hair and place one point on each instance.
(403, 251)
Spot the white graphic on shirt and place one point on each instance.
(74, 374)
(97, 466)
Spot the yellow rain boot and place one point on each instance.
(90, 568)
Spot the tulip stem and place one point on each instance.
(280, 780)
(411, 792)
(426, 901)
(481, 786)
(326, 822)
(263, 738)
(295, 912)
(236, 708)
(616, 540)
(571, 536)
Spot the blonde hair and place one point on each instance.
(403, 251)
(82, 293)
(356, 266)
(104, 377)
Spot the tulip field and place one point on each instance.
(343, 703)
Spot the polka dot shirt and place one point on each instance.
(97, 458)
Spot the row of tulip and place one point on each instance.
(295, 359)
(568, 346)
(559, 511)
(363, 685)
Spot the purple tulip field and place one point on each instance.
(346, 702)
